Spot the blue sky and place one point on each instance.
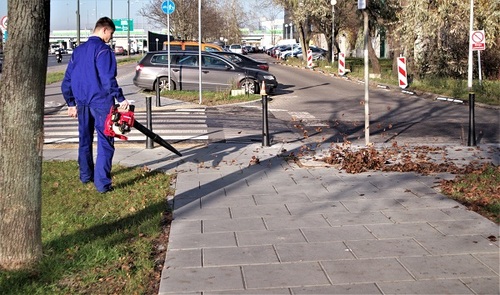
(63, 12)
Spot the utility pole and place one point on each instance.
(78, 23)
(333, 30)
(128, 27)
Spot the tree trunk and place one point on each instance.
(373, 59)
(22, 93)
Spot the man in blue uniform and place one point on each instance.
(90, 90)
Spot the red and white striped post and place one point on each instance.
(309, 59)
(341, 64)
(402, 74)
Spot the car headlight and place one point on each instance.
(268, 77)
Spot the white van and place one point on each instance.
(54, 48)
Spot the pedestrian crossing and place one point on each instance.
(188, 124)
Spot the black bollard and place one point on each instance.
(158, 90)
(472, 121)
(149, 122)
(265, 123)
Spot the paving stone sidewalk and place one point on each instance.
(246, 221)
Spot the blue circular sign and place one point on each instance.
(168, 6)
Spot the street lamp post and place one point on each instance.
(157, 44)
(291, 30)
(128, 27)
(333, 30)
(286, 31)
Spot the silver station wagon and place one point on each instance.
(217, 73)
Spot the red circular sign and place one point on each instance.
(3, 23)
(478, 37)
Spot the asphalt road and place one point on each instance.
(321, 107)
(394, 116)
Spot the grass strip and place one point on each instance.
(95, 243)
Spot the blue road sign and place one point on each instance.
(168, 6)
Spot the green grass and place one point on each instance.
(487, 93)
(95, 243)
(209, 98)
(478, 190)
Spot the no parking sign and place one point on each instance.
(478, 40)
(3, 23)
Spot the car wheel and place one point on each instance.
(164, 84)
(249, 86)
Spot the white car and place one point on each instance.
(236, 48)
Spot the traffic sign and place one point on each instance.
(3, 23)
(168, 6)
(122, 25)
(478, 40)
(362, 4)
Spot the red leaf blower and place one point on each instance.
(119, 122)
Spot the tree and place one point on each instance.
(22, 93)
(434, 35)
(217, 18)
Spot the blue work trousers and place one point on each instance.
(90, 119)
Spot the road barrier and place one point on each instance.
(402, 74)
(309, 59)
(341, 64)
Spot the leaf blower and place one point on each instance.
(119, 122)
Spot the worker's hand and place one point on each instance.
(124, 105)
(72, 112)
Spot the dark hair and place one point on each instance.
(105, 22)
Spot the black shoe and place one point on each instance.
(110, 189)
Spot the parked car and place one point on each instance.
(191, 46)
(236, 48)
(317, 53)
(217, 73)
(119, 50)
(244, 61)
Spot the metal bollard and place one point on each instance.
(265, 123)
(158, 90)
(149, 123)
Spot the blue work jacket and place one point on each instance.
(90, 77)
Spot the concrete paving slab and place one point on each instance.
(385, 248)
(366, 271)
(426, 287)
(269, 237)
(193, 211)
(401, 230)
(260, 211)
(179, 280)
(234, 225)
(299, 252)
(458, 244)
(186, 227)
(338, 289)
(270, 291)
(340, 219)
(372, 205)
(491, 260)
(185, 258)
(417, 215)
(287, 198)
(488, 285)
(284, 275)
(335, 234)
(228, 201)
(296, 221)
(482, 227)
(239, 256)
(300, 209)
(192, 241)
(445, 267)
